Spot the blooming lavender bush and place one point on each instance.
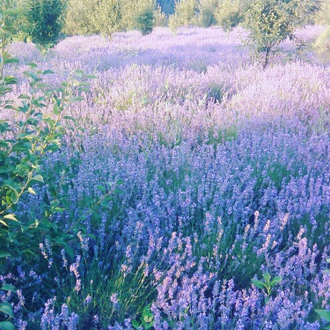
(187, 176)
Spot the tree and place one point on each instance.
(229, 13)
(144, 21)
(206, 12)
(93, 17)
(185, 14)
(138, 14)
(272, 21)
(45, 20)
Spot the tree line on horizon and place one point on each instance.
(46, 21)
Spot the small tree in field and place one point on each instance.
(229, 13)
(206, 12)
(144, 18)
(272, 21)
(144, 21)
(45, 20)
(185, 14)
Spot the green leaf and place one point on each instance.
(32, 65)
(10, 217)
(31, 191)
(10, 80)
(324, 314)
(135, 324)
(3, 144)
(56, 109)
(48, 72)
(10, 60)
(259, 284)
(8, 287)
(24, 97)
(38, 178)
(147, 318)
(99, 187)
(266, 276)
(4, 254)
(276, 280)
(5, 325)
(69, 118)
(6, 309)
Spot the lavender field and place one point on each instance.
(191, 189)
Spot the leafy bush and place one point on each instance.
(229, 14)
(144, 20)
(25, 142)
(45, 20)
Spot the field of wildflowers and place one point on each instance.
(191, 189)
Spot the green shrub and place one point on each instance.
(25, 142)
(229, 14)
(144, 20)
(45, 20)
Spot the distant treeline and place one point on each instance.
(45, 21)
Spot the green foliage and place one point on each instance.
(92, 17)
(323, 15)
(185, 14)
(144, 20)
(322, 45)
(146, 320)
(206, 12)
(268, 284)
(5, 325)
(229, 13)
(6, 310)
(160, 18)
(45, 20)
(272, 21)
(109, 16)
(24, 144)
(9, 16)
(324, 314)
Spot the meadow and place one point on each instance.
(190, 188)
